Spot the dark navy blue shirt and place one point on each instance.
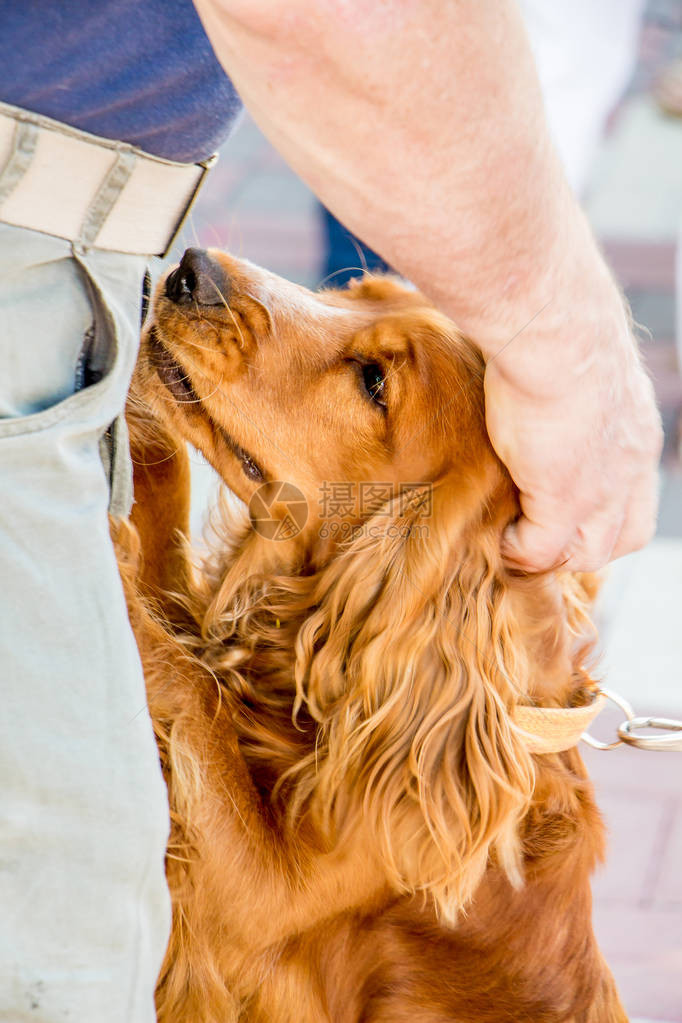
(142, 71)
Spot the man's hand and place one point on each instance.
(581, 440)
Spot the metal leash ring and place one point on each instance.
(623, 705)
(671, 740)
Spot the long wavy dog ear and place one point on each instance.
(410, 664)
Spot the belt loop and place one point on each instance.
(107, 195)
(19, 160)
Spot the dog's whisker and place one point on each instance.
(237, 327)
(360, 254)
(220, 389)
(393, 368)
(219, 293)
(183, 341)
(159, 461)
(342, 270)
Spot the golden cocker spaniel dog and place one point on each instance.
(360, 833)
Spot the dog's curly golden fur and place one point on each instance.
(359, 832)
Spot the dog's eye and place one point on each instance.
(374, 380)
(252, 470)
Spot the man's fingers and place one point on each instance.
(587, 547)
(640, 522)
(594, 543)
(580, 541)
(533, 547)
(585, 458)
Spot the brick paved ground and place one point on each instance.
(259, 209)
(638, 894)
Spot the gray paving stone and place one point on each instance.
(670, 508)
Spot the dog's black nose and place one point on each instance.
(199, 279)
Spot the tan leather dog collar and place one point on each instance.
(554, 729)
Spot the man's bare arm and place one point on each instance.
(420, 125)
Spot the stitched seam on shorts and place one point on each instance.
(19, 160)
(37, 421)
